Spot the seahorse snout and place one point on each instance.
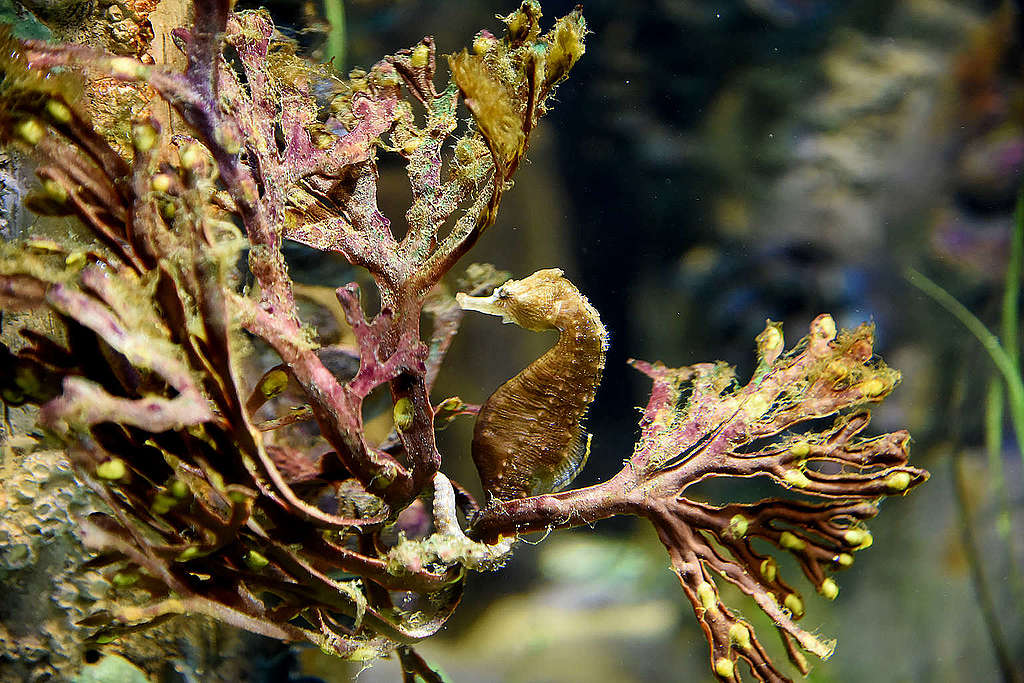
(491, 305)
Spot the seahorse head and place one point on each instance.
(542, 301)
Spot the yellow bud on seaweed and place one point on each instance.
(178, 489)
(829, 589)
(898, 481)
(791, 541)
(859, 538)
(794, 604)
(274, 384)
(769, 569)
(189, 553)
(724, 667)
(836, 370)
(76, 260)
(191, 156)
(740, 635)
(707, 597)
(385, 78)
(483, 43)
(738, 526)
(412, 144)
(800, 449)
(796, 478)
(826, 327)
(872, 388)
(30, 130)
(55, 191)
(420, 56)
(58, 111)
(843, 559)
(144, 137)
(161, 182)
(255, 560)
(757, 405)
(770, 339)
(162, 504)
(111, 469)
(127, 68)
(228, 139)
(124, 579)
(45, 245)
(403, 414)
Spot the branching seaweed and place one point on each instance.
(215, 507)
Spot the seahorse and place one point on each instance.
(529, 437)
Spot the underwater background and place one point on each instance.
(710, 165)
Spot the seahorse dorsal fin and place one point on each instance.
(574, 464)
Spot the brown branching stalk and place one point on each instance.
(218, 505)
(701, 424)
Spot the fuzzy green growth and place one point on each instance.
(565, 48)
(769, 570)
(724, 667)
(844, 560)
(829, 589)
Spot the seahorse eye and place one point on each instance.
(502, 293)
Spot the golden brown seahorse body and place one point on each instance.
(529, 436)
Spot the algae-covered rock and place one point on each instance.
(111, 669)
(46, 591)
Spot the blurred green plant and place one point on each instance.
(1005, 389)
